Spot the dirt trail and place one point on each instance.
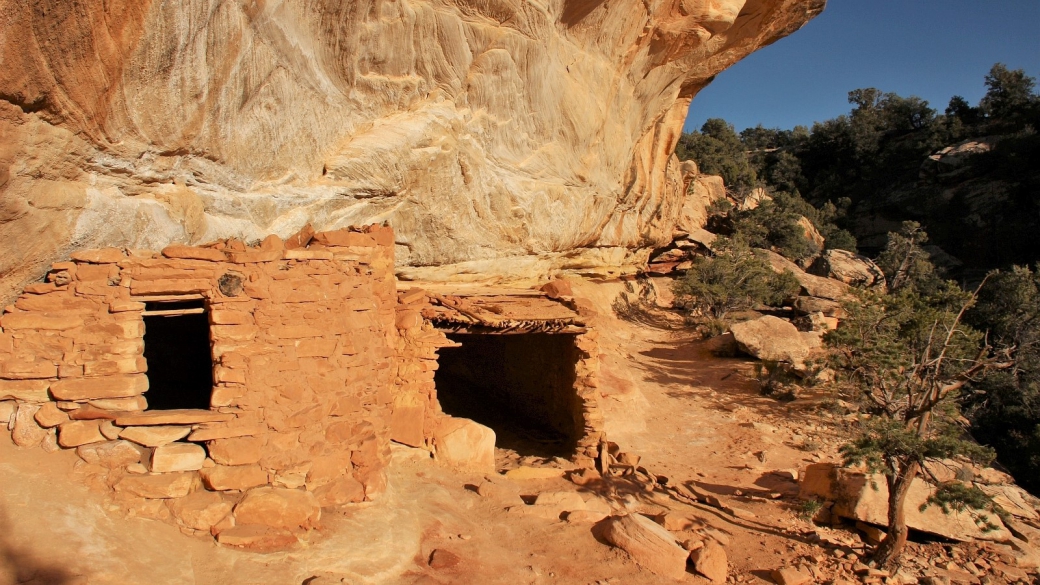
(691, 416)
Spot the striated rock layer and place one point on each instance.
(503, 137)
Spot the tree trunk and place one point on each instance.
(895, 539)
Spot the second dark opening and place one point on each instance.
(520, 385)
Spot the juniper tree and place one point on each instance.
(733, 278)
(908, 355)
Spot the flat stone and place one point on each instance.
(160, 486)
(281, 508)
(648, 544)
(256, 538)
(155, 436)
(525, 472)
(186, 416)
(105, 387)
(225, 431)
(25, 390)
(79, 432)
(710, 561)
(111, 454)
(790, 576)
(200, 510)
(177, 457)
(241, 477)
(193, 253)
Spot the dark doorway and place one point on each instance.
(176, 347)
(520, 385)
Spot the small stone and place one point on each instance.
(26, 432)
(236, 451)
(239, 477)
(177, 457)
(109, 430)
(49, 444)
(111, 454)
(161, 486)
(710, 561)
(585, 516)
(79, 432)
(50, 415)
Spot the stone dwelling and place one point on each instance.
(238, 390)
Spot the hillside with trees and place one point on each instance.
(969, 178)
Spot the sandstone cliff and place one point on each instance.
(511, 137)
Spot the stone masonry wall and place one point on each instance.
(303, 342)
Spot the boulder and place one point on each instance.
(465, 444)
(200, 510)
(812, 285)
(810, 305)
(811, 233)
(710, 561)
(281, 508)
(772, 339)
(865, 498)
(850, 268)
(648, 544)
(177, 457)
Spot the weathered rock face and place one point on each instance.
(507, 136)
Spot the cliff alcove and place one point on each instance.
(519, 385)
(177, 350)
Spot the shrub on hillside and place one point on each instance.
(732, 279)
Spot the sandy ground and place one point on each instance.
(692, 417)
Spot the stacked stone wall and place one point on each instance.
(303, 339)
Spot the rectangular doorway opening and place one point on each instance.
(177, 350)
(520, 385)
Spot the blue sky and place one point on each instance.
(933, 49)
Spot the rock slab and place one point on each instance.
(648, 544)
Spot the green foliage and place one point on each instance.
(808, 509)
(774, 224)
(717, 150)
(1004, 408)
(1008, 92)
(732, 279)
(905, 262)
(910, 356)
